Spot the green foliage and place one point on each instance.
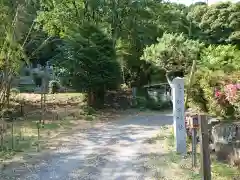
(202, 94)
(173, 52)
(217, 23)
(220, 66)
(37, 79)
(93, 44)
(90, 118)
(15, 91)
(27, 88)
(124, 87)
(90, 58)
(89, 110)
(141, 102)
(208, 83)
(222, 57)
(173, 18)
(196, 94)
(54, 87)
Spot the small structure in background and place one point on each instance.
(159, 94)
(31, 78)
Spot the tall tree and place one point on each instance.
(174, 53)
(218, 23)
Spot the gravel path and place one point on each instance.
(108, 151)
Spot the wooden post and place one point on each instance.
(194, 147)
(194, 125)
(38, 130)
(205, 153)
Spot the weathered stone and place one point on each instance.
(228, 152)
(37, 90)
(26, 81)
(224, 138)
(226, 133)
(226, 142)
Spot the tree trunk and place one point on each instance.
(90, 97)
(100, 96)
(190, 82)
(96, 97)
(8, 95)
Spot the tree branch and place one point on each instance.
(28, 34)
(168, 78)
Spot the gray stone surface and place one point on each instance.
(226, 132)
(108, 151)
(24, 81)
(226, 142)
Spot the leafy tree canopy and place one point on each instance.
(218, 23)
(222, 57)
(89, 57)
(173, 52)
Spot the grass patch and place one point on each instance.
(63, 112)
(222, 170)
(51, 126)
(154, 140)
(25, 137)
(182, 166)
(6, 155)
(90, 118)
(170, 140)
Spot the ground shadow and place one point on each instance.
(107, 151)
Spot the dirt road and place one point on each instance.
(108, 151)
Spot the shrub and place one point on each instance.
(141, 102)
(124, 87)
(89, 110)
(214, 89)
(212, 92)
(231, 93)
(90, 60)
(90, 118)
(222, 57)
(27, 88)
(209, 83)
(54, 87)
(173, 52)
(15, 91)
(196, 98)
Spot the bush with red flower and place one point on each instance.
(216, 93)
(215, 89)
(232, 93)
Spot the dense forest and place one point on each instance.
(100, 44)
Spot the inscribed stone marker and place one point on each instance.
(179, 115)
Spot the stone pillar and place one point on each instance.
(179, 115)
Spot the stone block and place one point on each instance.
(226, 142)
